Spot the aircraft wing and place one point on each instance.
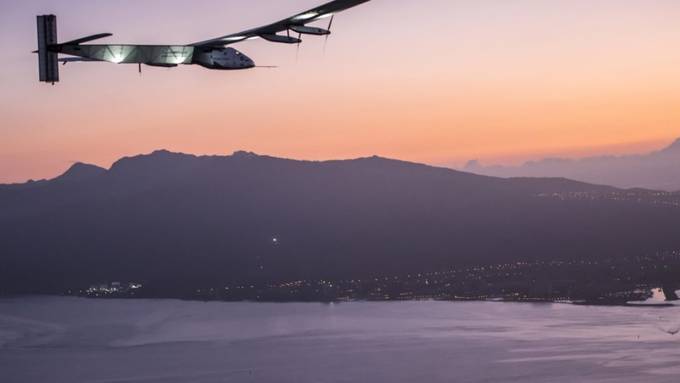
(296, 23)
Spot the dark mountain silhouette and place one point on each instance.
(176, 220)
(77, 172)
(81, 172)
(658, 170)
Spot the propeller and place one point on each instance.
(297, 52)
(330, 25)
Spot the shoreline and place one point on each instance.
(630, 304)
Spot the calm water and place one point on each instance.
(78, 340)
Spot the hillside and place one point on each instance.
(177, 220)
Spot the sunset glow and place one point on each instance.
(435, 81)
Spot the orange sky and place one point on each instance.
(436, 81)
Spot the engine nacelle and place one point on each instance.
(305, 30)
(281, 39)
(223, 59)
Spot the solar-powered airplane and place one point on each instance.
(211, 54)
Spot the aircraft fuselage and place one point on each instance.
(160, 55)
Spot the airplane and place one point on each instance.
(211, 54)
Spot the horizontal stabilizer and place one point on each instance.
(87, 38)
(66, 60)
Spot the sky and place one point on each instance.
(433, 81)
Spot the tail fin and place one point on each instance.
(47, 60)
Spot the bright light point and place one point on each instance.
(327, 15)
(235, 38)
(180, 58)
(117, 54)
(306, 16)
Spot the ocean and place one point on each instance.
(70, 340)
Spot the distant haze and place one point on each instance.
(659, 170)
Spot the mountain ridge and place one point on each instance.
(162, 157)
(177, 221)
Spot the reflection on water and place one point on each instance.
(79, 340)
